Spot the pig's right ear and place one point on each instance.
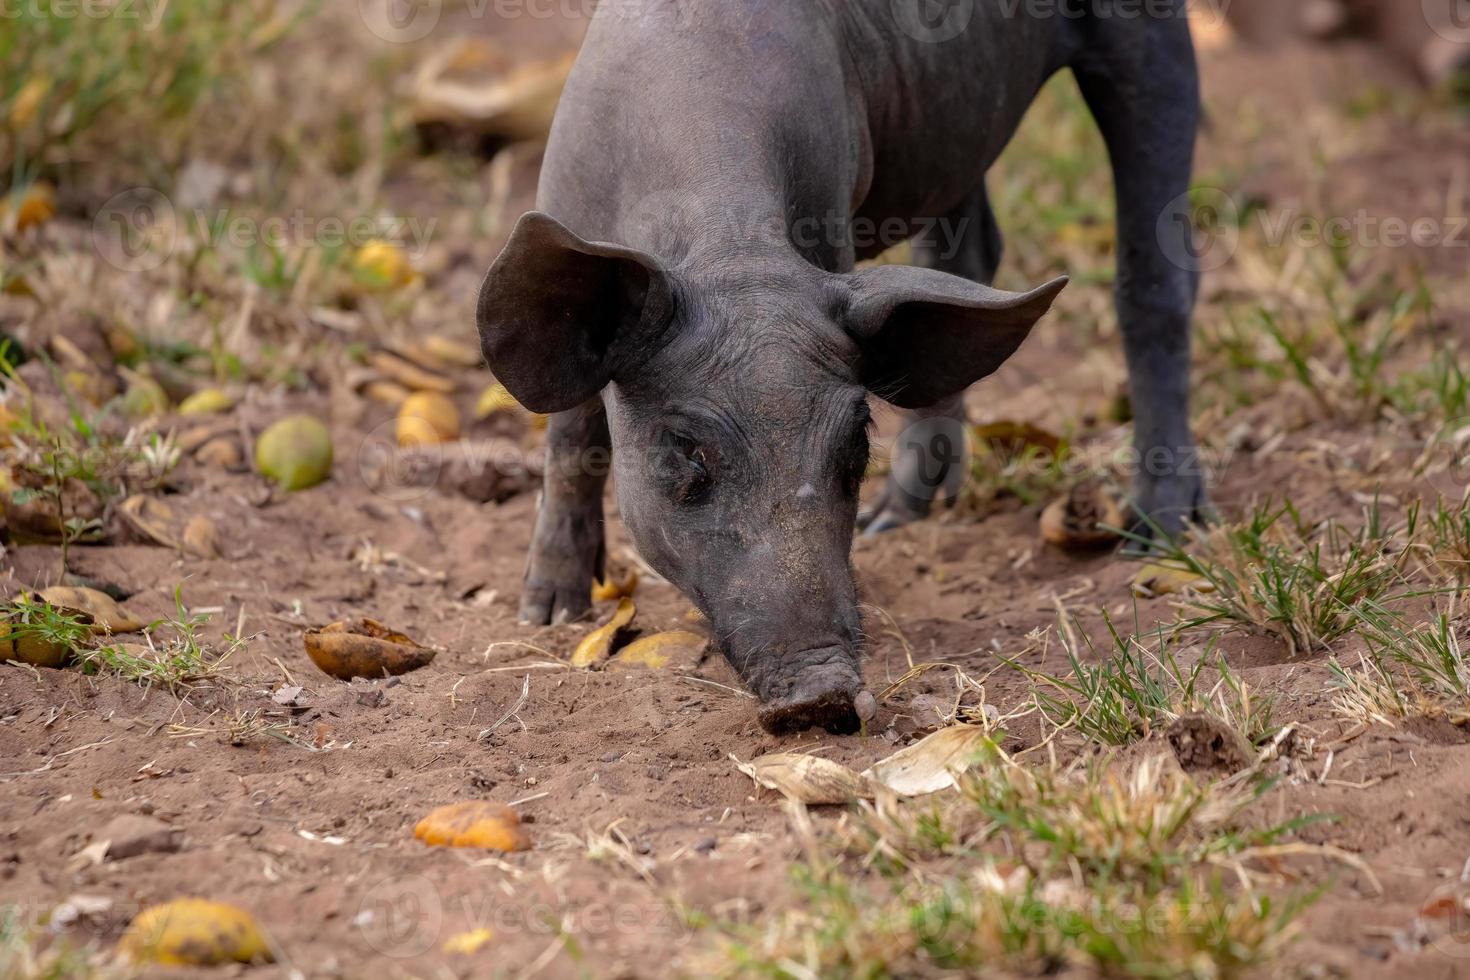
(559, 315)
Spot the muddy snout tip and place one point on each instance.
(827, 693)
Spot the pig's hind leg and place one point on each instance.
(567, 549)
(929, 457)
(1139, 78)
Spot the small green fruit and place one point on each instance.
(296, 452)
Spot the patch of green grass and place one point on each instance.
(1406, 672)
(176, 655)
(1446, 538)
(1278, 574)
(30, 953)
(33, 626)
(1138, 687)
(125, 79)
(1031, 872)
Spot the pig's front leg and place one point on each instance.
(568, 550)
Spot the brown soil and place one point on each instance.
(316, 837)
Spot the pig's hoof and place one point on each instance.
(887, 514)
(543, 605)
(821, 696)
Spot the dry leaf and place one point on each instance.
(1014, 438)
(474, 824)
(152, 518)
(409, 375)
(451, 353)
(657, 651)
(222, 451)
(107, 616)
(807, 779)
(467, 85)
(389, 393)
(201, 538)
(195, 932)
(930, 764)
(365, 648)
(209, 401)
(597, 646)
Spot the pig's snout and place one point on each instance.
(809, 689)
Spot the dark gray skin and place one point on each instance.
(685, 292)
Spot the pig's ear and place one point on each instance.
(558, 315)
(927, 335)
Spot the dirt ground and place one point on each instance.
(314, 832)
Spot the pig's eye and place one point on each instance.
(689, 468)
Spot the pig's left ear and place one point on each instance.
(926, 335)
(559, 315)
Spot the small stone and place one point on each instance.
(866, 706)
(131, 835)
(706, 845)
(611, 756)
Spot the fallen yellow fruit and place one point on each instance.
(365, 648)
(195, 932)
(476, 823)
(382, 265)
(427, 419)
(209, 401)
(296, 452)
(494, 400)
(597, 646)
(467, 943)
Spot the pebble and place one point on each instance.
(866, 706)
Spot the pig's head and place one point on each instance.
(737, 401)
